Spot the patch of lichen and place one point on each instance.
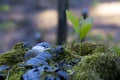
(13, 56)
(104, 66)
(83, 49)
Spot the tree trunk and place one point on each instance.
(62, 22)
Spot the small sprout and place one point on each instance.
(81, 26)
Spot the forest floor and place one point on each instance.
(23, 23)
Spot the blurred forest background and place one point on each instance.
(37, 20)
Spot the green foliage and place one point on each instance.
(117, 49)
(85, 27)
(4, 7)
(81, 26)
(7, 25)
(95, 3)
(74, 19)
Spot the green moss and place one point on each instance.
(87, 48)
(17, 76)
(78, 51)
(16, 72)
(67, 55)
(104, 66)
(87, 75)
(98, 62)
(13, 56)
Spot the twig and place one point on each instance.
(8, 75)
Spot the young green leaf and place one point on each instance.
(74, 20)
(85, 27)
(81, 26)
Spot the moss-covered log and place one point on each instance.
(95, 62)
